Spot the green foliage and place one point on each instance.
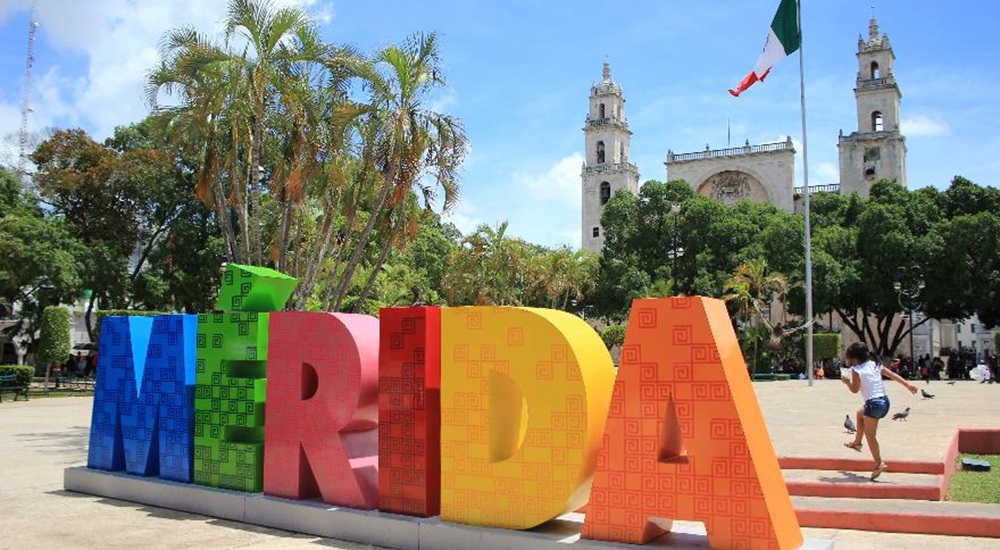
(826, 345)
(652, 248)
(976, 486)
(613, 336)
(100, 315)
(38, 257)
(490, 268)
(948, 240)
(23, 373)
(54, 336)
(121, 201)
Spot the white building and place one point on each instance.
(760, 173)
(606, 168)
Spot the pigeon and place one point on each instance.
(849, 424)
(926, 395)
(902, 416)
(952, 383)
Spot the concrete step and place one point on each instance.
(849, 484)
(862, 464)
(899, 516)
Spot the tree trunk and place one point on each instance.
(315, 260)
(371, 278)
(296, 242)
(756, 356)
(286, 215)
(86, 316)
(145, 254)
(359, 247)
(328, 294)
(256, 171)
(240, 202)
(224, 219)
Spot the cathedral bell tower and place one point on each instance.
(877, 150)
(606, 168)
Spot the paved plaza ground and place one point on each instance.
(40, 438)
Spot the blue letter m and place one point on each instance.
(143, 419)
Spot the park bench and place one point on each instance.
(9, 384)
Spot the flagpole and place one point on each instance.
(805, 181)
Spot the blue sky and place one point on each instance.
(519, 74)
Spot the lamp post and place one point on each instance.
(675, 247)
(908, 289)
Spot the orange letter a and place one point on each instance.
(685, 438)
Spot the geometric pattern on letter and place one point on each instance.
(142, 418)
(116, 393)
(252, 288)
(524, 397)
(163, 418)
(230, 390)
(322, 417)
(686, 438)
(409, 405)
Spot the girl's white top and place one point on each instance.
(870, 374)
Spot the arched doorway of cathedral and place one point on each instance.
(732, 186)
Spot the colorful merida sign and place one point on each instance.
(488, 416)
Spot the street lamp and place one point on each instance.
(676, 249)
(908, 290)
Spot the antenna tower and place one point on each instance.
(26, 97)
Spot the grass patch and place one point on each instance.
(35, 393)
(976, 486)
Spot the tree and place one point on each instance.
(121, 200)
(39, 259)
(649, 251)
(53, 340)
(752, 288)
(303, 172)
(252, 103)
(484, 269)
(399, 139)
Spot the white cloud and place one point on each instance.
(922, 125)
(571, 238)
(824, 173)
(466, 217)
(443, 102)
(560, 182)
(119, 42)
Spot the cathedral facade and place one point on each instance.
(760, 173)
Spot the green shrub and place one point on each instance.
(53, 338)
(23, 373)
(826, 345)
(613, 336)
(100, 315)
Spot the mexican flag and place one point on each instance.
(783, 38)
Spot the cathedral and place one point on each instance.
(761, 173)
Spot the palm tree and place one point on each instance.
(234, 96)
(275, 42)
(402, 141)
(398, 227)
(196, 69)
(750, 288)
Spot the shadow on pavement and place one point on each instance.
(165, 513)
(70, 443)
(846, 477)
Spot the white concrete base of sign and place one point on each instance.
(364, 526)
